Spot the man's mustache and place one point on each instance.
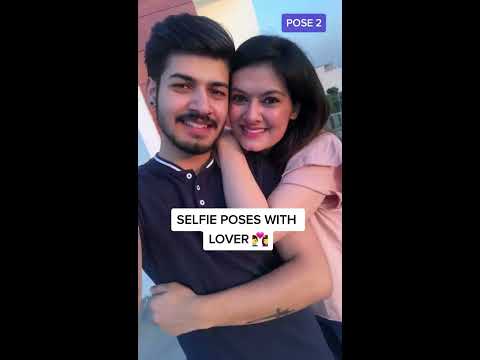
(197, 117)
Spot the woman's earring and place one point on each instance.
(296, 111)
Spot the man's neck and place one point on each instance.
(185, 160)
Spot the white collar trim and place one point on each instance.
(167, 164)
(175, 167)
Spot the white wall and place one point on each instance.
(330, 78)
(146, 127)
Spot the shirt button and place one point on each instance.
(198, 187)
(189, 176)
(202, 202)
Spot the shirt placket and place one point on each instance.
(198, 193)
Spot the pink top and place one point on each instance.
(325, 150)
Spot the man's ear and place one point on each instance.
(151, 91)
(295, 111)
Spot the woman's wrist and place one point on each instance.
(229, 153)
(205, 312)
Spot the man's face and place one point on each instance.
(192, 101)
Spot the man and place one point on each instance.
(206, 293)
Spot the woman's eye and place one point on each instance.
(270, 100)
(238, 99)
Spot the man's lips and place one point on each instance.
(195, 125)
(197, 122)
(198, 126)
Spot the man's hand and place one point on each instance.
(174, 308)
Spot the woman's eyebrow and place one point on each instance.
(266, 93)
(273, 92)
(238, 90)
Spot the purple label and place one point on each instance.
(304, 22)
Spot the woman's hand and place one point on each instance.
(227, 146)
(176, 309)
(227, 141)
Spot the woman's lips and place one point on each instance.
(252, 132)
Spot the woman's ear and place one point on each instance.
(295, 111)
(151, 91)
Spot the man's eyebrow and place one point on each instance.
(219, 83)
(181, 76)
(191, 79)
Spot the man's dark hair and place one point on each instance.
(186, 34)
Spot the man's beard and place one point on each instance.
(185, 146)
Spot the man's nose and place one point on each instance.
(200, 102)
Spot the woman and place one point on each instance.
(278, 107)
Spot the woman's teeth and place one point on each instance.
(254, 131)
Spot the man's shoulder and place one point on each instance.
(144, 168)
(261, 163)
(265, 172)
(150, 170)
(258, 161)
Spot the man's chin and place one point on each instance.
(191, 145)
(195, 149)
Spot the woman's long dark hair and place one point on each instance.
(302, 82)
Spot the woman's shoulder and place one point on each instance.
(323, 150)
(326, 146)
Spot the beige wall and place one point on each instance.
(237, 16)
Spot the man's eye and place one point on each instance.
(182, 86)
(239, 99)
(270, 100)
(218, 93)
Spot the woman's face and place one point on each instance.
(260, 107)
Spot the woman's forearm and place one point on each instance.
(303, 280)
(292, 287)
(239, 186)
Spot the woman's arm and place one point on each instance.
(237, 177)
(238, 181)
(295, 196)
(303, 280)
